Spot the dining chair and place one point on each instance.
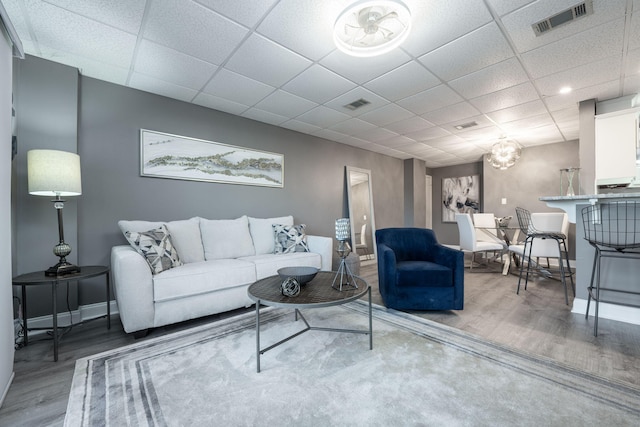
(363, 246)
(470, 243)
(545, 237)
(485, 224)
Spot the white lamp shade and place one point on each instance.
(53, 173)
(343, 229)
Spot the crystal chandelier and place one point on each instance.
(504, 154)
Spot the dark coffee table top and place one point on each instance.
(316, 293)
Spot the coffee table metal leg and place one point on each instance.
(370, 323)
(258, 335)
(54, 297)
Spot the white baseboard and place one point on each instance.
(82, 314)
(6, 389)
(620, 313)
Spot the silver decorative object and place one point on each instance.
(343, 232)
(566, 181)
(290, 287)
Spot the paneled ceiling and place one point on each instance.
(274, 61)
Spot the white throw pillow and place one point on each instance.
(226, 238)
(262, 232)
(185, 235)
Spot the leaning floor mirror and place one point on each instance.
(363, 226)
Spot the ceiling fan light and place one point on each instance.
(371, 28)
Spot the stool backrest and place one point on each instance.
(613, 224)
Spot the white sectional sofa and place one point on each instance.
(206, 267)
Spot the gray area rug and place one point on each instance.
(419, 373)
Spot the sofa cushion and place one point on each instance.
(262, 232)
(268, 264)
(424, 274)
(202, 277)
(290, 238)
(226, 238)
(185, 236)
(156, 248)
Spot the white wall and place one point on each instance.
(6, 306)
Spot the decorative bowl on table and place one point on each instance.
(301, 274)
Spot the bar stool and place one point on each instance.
(613, 229)
(531, 233)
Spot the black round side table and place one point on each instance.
(39, 278)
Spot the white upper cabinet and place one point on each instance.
(616, 147)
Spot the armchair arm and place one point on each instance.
(133, 288)
(386, 268)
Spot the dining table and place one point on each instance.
(507, 234)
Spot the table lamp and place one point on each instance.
(56, 174)
(343, 233)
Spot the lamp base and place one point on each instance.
(344, 272)
(62, 269)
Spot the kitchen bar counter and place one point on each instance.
(569, 203)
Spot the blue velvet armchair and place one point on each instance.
(415, 272)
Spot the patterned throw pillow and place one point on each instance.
(290, 238)
(156, 247)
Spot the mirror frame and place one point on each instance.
(372, 222)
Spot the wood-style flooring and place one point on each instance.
(536, 321)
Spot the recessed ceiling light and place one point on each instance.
(372, 27)
(565, 90)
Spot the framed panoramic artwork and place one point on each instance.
(163, 155)
(460, 195)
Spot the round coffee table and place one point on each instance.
(315, 294)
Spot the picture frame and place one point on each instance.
(460, 195)
(164, 155)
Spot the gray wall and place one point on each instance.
(109, 121)
(536, 174)
(47, 118)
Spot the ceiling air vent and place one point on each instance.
(578, 11)
(466, 125)
(357, 104)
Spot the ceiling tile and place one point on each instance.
(600, 92)
(540, 136)
(451, 113)
(446, 141)
(429, 133)
(514, 128)
(580, 77)
(510, 114)
(238, 11)
(437, 18)
(266, 61)
(502, 7)
(220, 104)
(491, 79)
(241, 89)
(264, 116)
(302, 26)
(125, 15)
(300, 126)
(518, 24)
(505, 98)
(172, 23)
(472, 52)
(403, 81)
(153, 85)
(588, 46)
(632, 65)
(361, 70)
(634, 34)
(375, 134)
(285, 104)
(323, 117)
(481, 122)
(430, 100)
(411, 124)
(352, 126)
(172, 66)
(318, 84)
(80, 36)
(397, 142)
(387, 114)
